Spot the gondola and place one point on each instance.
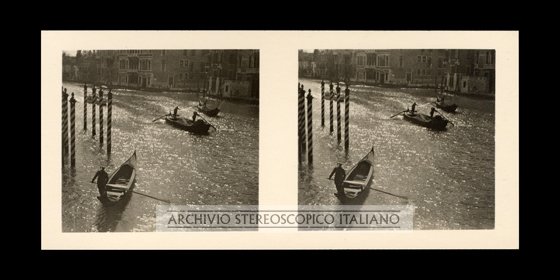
(209, 112)
(359, 177)
(96, 100)
(436, 123)
(199, 126)
(120, 183)
(333, 97)
(447, 108)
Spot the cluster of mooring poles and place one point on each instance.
(306, 118)
(69, 147)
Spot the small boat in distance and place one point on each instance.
(436, 123)
(121, 182)
(450, 108)
(359, 177)
(96, 100)
(209, 112)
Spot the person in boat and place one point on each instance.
(413, 109)
(432, 111)
(339, 175)
(102, 178)
(175, 112)
(194, 116)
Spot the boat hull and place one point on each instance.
(435, 123)
(198, 127)
(121, 183)
(209, 112)
(359, 178)
(447, 108)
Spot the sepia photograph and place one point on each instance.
(189, 140)
(142, 128)
(408, 127)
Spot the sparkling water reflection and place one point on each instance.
(216, 169)
(448, 176)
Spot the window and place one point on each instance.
(133, 63)
(383, 60)
(430, 61)
(163, 66)
(162, 52)
(400, 61)
(419, 58)
(181, 63)
(371, 59)
(424, 58)
(418, 72)
(122, 64)
(360, 60)
(145, 65)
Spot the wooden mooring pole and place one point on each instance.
(109, 121)
(309, 129)
(346, 118)
(72, 132)
(64, 126)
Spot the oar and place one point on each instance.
(397, 114)
(207, 122)
(153, 197)
(399, 196)
(160, 117)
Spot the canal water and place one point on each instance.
(447, 176)
(216, 169)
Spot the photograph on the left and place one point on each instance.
(142, 128)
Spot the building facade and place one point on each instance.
(192, 70)
(465, 71)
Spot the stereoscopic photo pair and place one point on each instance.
(403, 127)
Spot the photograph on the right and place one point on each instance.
(400, 127)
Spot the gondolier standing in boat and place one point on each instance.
(194, 116)
(175, 112)
(432, 112)
(339, 175)
(413, 109)
(102, 178)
